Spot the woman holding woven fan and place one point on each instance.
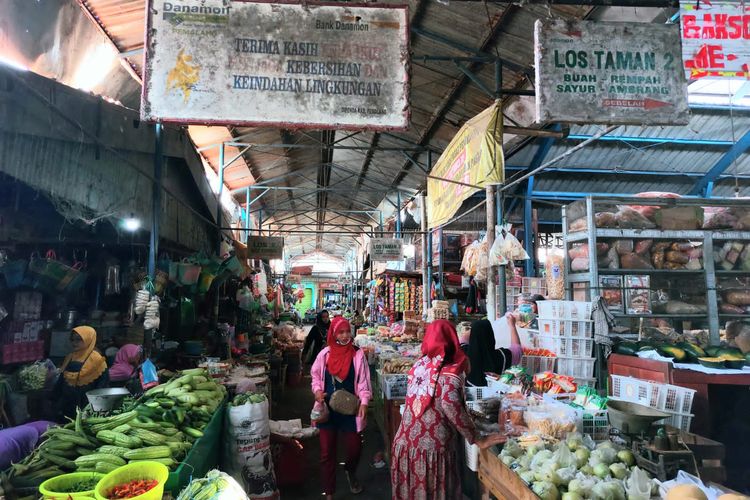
(423, 459)
(341, 382)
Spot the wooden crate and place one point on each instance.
(709, 455)
(497, 479)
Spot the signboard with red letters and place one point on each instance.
(715, 38)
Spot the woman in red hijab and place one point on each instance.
(423, 458)
(341, 365)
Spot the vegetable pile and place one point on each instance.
(82, 485)
(161, 426)
(33, 377)
(575, 469)
(248, 397)
(132, 489)
(216, 484)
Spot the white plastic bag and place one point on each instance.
(248, 449)
(505, 248)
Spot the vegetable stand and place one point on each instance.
(202, 457)
(497, 479)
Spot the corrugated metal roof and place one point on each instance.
(442, 99)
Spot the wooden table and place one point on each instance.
(496, 479)
(663, 372)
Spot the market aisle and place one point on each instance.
(296, 402)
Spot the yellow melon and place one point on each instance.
(733, 496)
(686, 492)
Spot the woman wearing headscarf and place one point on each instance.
(82, 370)
(483, 356)
(423, 458)
(316, 337)
(125, 367)
(341, 365)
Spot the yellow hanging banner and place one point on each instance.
(473, 158)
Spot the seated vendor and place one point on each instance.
(125, 370)
(82, 370)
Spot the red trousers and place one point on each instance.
(353, 446)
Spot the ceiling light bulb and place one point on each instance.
(131, 224)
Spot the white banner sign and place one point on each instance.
(288, 65)
(602, 72)
(715, 38)
(386, 249)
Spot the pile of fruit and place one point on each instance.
(685, 352)
(161, 426)
(575, 469)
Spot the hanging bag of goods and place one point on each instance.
(51, 274)
(188, 273)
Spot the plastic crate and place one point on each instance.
(676, 399)
(496, 386)
(636, 390)
(566, 328)
(569, 347)
(538, 364)
(476, 393)
(472, 456)
(579, 368)
(564, 309)
(394, 386)
(680, 421)
(664, 397)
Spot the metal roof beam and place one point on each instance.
(318, 146)
(653, 140)
(703, 186)
(613, 171)
(478, 53)
(591, 3)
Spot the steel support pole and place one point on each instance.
(426, 260)
(502, 298)
(247, 214)
(381, 224)
(491, 270)
(428, 285)
(153, 250)
(441, 263)
(398, 214)
(218, 198)
(528, 230)
(260, 222)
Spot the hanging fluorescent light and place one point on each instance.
(131, 224)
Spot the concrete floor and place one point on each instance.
(296, 402)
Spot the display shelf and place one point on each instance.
(734, 316)
(660, 315)
(651, 271)
(588, 209)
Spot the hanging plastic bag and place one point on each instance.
(506, 248)
(468, 263)
(149, 377)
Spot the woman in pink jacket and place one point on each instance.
(341, 365)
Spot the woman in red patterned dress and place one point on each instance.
(424, 464)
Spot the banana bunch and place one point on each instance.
(215, 485)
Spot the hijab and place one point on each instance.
(122, 369)
(339, 356)
(441, 352)
(93, 364)
(482, 354)
(322, 327)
